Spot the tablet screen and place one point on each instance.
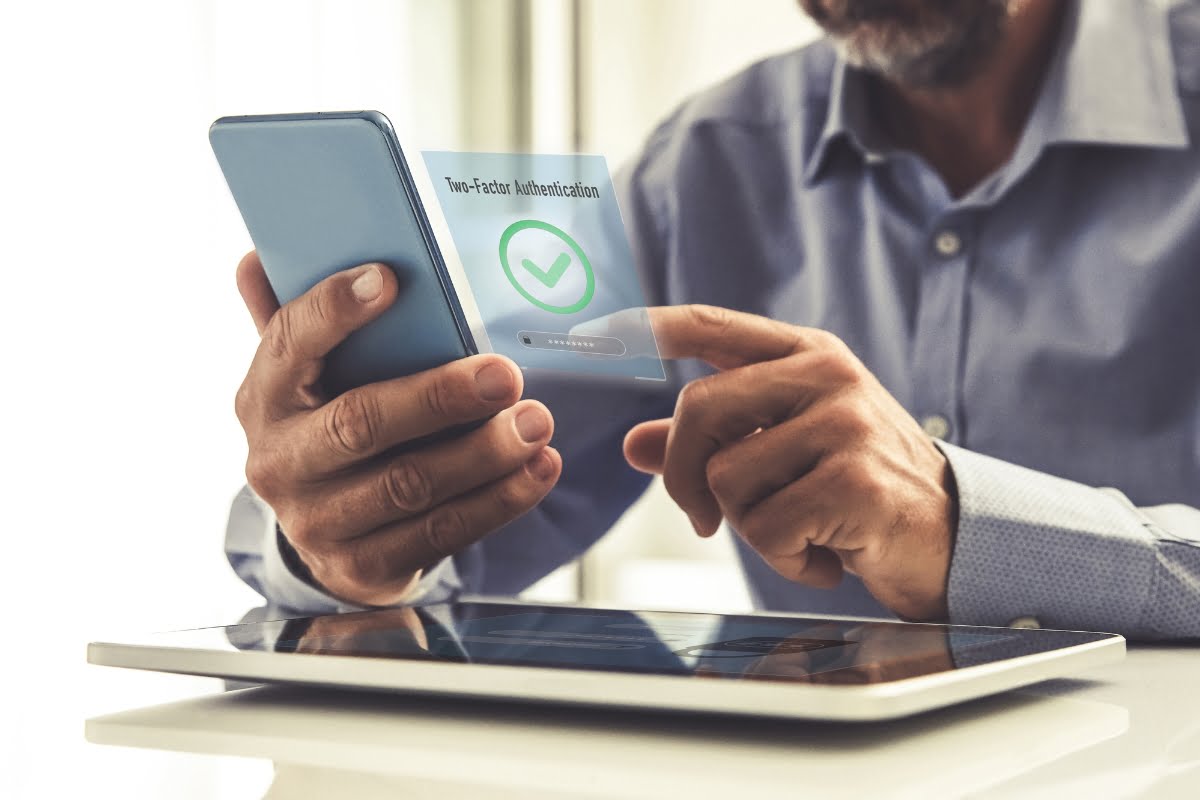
(811, 650)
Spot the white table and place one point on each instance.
(1126, 730)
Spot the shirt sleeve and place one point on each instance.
(1071, 556)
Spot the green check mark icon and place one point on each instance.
(552, 276)
(549, 278)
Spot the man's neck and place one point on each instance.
(967, 132)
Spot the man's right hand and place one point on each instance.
(363, 517)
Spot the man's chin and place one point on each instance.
(912, 66)
(920, 50)
(918, 64)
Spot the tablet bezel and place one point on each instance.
(193, 652)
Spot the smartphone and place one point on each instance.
(321, 192)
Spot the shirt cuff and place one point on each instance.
(1031, 545)
(438, 584)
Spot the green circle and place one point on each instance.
(537, 224)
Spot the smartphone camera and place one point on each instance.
(526, 340)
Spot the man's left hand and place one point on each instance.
(807, 456)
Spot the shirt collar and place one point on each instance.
(846, 118)
(1111, 82)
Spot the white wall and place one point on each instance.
(646, 56)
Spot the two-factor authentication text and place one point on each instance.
(529, 188)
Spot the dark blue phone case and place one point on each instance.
(321, 192)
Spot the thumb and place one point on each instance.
(646, 446)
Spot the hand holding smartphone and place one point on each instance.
(363, 497)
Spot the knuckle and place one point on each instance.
(825, 527)
(262, 476)
(714, 319)
(821, 342)
(443, 529)
(771, 547)
(279, 334)
(720, 473)
(851, 421)
(827, 340)
(407, 486)
(321, 307)
(435, 398)
(243, 404)
(873, 490)
(351, 425)
(514, 497)
(863, 484)
(777, 552)
(837, 363)
(838, 468)
(301, 533)
(694, 396)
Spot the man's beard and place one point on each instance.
(917, 43)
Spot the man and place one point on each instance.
(962, 242)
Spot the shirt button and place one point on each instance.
(948, 244)
(1028, 623)
(936, 426)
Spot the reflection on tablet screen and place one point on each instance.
(669, 643)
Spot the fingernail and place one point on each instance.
(541, 466)
(495, 382)
(368, 285)
(532, 424)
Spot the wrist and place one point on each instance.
(928, 599)
(358, 595)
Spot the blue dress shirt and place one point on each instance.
(1045, 327)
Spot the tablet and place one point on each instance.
(773, 665)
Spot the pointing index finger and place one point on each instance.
(725, 339)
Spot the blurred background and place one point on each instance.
(123, 334)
